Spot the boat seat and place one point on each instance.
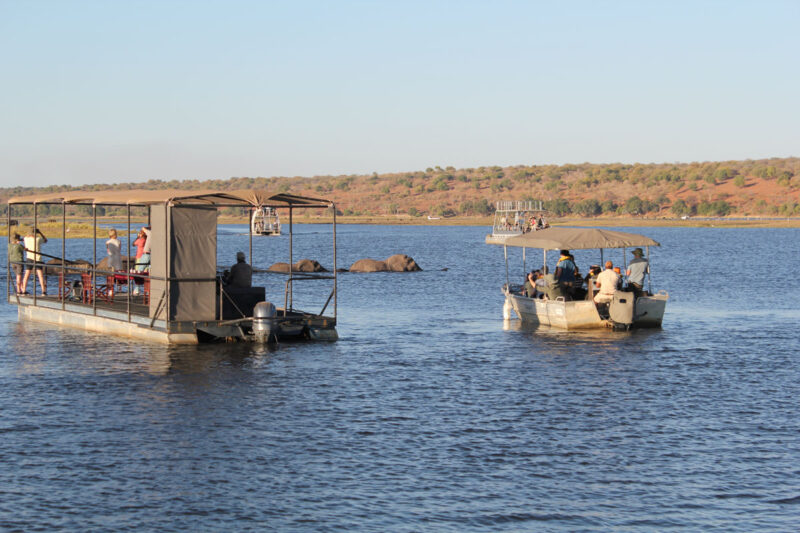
(245, 298)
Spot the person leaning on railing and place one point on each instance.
(15, 259)
(143, 262)
(33, 244)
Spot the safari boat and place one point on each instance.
(265, 221)
(511, 218)
(181, 298)
(624, 311)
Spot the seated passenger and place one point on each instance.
(533, 284)
(619, 273)
(578, 292)
(590, 279)
(607, 281)
(240, 275)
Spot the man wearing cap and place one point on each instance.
(241, 274)
(607, 281)
(637, 269)
(565, 272)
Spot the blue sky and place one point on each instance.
(135, 90)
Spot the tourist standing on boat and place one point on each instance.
(33, 244)
(113, 248)
(143, 263)
(141, 238)
(636, 271)
(241, 274)
(15, 250)
(607, 280)
(565, 272)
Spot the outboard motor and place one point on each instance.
(620, 311)
(265, 323)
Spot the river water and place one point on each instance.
(430, 413)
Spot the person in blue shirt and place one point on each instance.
(565, 272)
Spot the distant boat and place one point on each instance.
(265, 221)
(434, 218)
(513, 218)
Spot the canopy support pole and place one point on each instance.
(624, 261)
(524, 269)
(167, 270)
(35, 242)
(250, 231)
(8, 263)
(505, 255)
(649, 280)
(544, 262)
(335, 269)
(128, 278)
(602, 261)
(62, 290)
(291, 262)
(94, 260)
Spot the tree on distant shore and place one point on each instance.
(681, 208)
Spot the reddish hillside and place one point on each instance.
(762, 187)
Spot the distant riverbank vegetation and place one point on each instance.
(767, 187)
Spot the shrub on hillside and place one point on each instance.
(720, 208)
(558, 207)
(681, 208)
(588, 208)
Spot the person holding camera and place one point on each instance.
(33, 243)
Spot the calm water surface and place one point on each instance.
(430, 413)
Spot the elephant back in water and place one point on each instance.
(279, 267)
(53, 267)
(304, 265)
(308, 265)
(128, 263)
(402, 263)
(369, 265)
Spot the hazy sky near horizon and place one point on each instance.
(104, 92)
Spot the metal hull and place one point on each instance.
(293, 326)
(583, 314)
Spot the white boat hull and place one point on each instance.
(583, 314)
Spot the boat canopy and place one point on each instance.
(561, 238)
(244, 198)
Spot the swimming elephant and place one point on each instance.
(369, 265)
(395, 263)
(53, 267)
(402, 263)
(304, 265)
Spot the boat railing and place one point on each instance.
(519, 205)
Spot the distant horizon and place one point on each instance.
(111, 92)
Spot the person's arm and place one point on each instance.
(44, 239)
(628, 272)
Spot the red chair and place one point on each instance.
(87, 294)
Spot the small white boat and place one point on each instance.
(265, 221)
(624, 312)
